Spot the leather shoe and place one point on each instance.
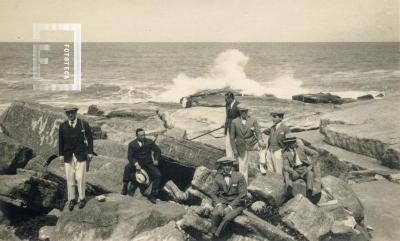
(152, 199)
(71, 205)
(82, 203)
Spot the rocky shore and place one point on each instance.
(358, 146)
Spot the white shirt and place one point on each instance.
(233, 102)
(228, 179)
(244, 121)
(140, 143)
(298, 162)
(72, 123)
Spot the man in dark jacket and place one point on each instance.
(232, 112)
(75, 149)
(143, 153)
(228, 194)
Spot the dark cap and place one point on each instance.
(70, 107)
(243, 107)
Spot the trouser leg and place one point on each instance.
(155, 178)
(128, 171)
(288, 180)
(262, 157)
(216, 217)
(81, 178)
(270, 165)
(309, 180)
(70, 176)
(244, 165)
(228, 146)
(277, 161)
(227, 218)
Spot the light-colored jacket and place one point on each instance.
(244, 137)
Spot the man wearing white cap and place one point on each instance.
(75, 149)
(245, 136)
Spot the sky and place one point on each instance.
(207, 20)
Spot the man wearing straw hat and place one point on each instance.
(228, 193)
(245, 136)
(75, 149)
(143, 153)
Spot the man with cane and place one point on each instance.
(76, 151)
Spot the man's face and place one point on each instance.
(71, 114)
(141, 135)
(227, 167)
(244, 114)
(276, 119)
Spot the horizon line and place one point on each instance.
(204, 41)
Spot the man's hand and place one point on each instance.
(155, 162)
(138, 167)
(227, 209)
(61, 158)
(220, 208)
(90, 157)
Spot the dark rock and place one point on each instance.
(269, 188)
(94, 110)
(136, 114)
(119, 218)
(12, 155)
(318, 98)
(189, 153)
(342, 192)
(29, 190)
(300, 214)
(365, 97)
(36, 126)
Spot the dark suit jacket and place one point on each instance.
(143, 154)
(71, 140)
(275, 140)
(244, 137)
(231, 114)
(233, 194)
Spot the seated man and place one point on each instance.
(143, 153)
(228, 194)
(296, 165)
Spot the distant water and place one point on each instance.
(133, 72)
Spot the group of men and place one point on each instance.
(284, 156)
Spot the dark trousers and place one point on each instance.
(301, 172)
(219, 219)
(153, 172)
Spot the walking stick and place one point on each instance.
(206, 133)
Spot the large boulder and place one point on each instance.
(300, 214)
(110, 148)
(36, 126)
(203, 179)
(12, 155)
(269, 188)
(344, 194)
(167, 232)
(369, 128)
(29, 189)
(118, 218)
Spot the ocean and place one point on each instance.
(135, 72)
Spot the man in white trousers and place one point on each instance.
(277, 133)
(232, 112)
(75, 149)
(245, 136)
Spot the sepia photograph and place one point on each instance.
(200, 120)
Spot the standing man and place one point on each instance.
(276, 133)
(297, 165)
(143, 153)
(232, 112)
(228, 194)
(75, 149)
(245, 136)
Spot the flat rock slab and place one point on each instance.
(370, 128)
(300, 214)
(382, 208)
(118, 218)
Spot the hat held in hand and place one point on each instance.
(142, 177)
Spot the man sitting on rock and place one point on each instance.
(143, 153)
(297, 165)
(228, 193)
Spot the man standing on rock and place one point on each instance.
(245, 136)
(277, 134)
(228, 194)
(143, 153)
(75, 150)
(297, 165)
(232, 112)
